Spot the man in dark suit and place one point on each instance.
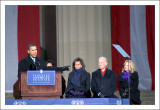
(31, 61)
(103, 84)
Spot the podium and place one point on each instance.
(23, 91)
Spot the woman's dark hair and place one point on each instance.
(49, 61)
(80, 60)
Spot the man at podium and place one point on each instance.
(31, 61)
(38, 86)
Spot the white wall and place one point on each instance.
(11, 51)
(83, 31)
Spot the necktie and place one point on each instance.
(34, 59)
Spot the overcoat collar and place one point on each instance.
(105, 75)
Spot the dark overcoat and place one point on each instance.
(84, 84)
(105, 85)
(134, 91)
(28, 64)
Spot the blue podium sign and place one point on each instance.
(41, 77)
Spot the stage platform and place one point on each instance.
(69, 101)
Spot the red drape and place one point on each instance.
(120, 35)
(150, 29)
(28, 29)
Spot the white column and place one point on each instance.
(11, 50)
(83, 31)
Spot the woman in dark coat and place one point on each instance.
(133, 80)
(78, 81)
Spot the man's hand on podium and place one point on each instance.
(65, 68)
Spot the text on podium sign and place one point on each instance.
(40, 77)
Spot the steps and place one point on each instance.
(9, 96)
(147, 97)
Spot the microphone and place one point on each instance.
(33, 66)
(37, 65)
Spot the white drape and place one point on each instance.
(139, 46)
(11, 51)
(83, 31)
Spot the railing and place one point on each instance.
(69, 101)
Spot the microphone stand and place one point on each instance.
(125, 55)
(128, 81)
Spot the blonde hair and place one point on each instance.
(131, 65)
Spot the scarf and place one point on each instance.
(125, 76)
(76, 78)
